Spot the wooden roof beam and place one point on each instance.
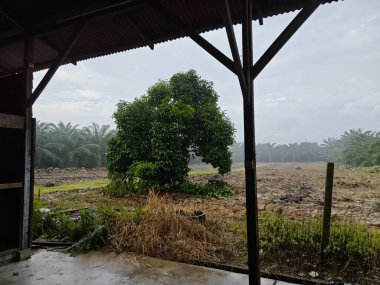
(56, 64)
(233, 44)
(74, 18)
(11, 20)
(56, 48)
(175, 22)
(283, 38)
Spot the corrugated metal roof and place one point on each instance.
(110, 29)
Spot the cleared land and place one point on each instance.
(296, 190)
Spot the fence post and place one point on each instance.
(327, 207)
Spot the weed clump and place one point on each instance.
(350, 244)
(90, 231)
(157, 230)
(160, 232)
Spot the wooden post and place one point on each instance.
(25, 242)
(250, 151)
(327, 207)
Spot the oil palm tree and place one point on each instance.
(69, 144)
(99, 136)
(45, 157)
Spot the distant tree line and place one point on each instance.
(355, 147)
(66, 145)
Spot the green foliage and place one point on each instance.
(144, 175)
(64, 145)
(347, 241)
(120, 186)
(213, 188)
(333, 149)
(370, 169)
(174, 118)
(139, 178)
(86, 184)
(99, 136)
(90, 232)
(361, 148)
(37, 219)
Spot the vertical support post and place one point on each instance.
(250, 151)
(327, 207)
(26, 193)
(32, 156)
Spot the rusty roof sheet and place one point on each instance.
(111, 26)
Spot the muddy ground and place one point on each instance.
(295, 189)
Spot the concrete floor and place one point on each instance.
(50, 268)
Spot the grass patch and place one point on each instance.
(353, 251)
(198, 172)
(370, 169)
(353, 248)
(80, 185)
(214, 188)
(211, 171)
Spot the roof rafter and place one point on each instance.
(283, 38)
(172, 19)
(56, 48)
(45, 28)
(233, 44)
(56, 64)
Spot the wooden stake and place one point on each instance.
(327, 207)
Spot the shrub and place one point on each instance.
(140, 178)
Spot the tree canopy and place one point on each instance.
(160, 130)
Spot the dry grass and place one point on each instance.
(160, 232)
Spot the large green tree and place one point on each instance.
(174, 119)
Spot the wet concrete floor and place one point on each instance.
(100, 267)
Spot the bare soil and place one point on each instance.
(295, 189)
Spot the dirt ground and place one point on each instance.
(296, 189)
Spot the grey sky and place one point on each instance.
(326, 79)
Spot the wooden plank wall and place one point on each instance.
(12, 160)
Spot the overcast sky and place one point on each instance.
(324, 81)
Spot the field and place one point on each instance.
(295, 190)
